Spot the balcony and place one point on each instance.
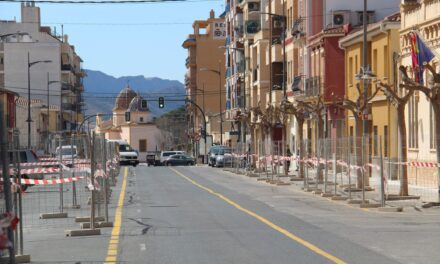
(241, 67)
(68, 107)
(65, 87)
(313, 86)
(277, 52)
(190, 61)
(297, 85)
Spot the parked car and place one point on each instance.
(66, 152)
(164, 155)
(151, 158)
(26, 156)
(212, 154)
(127, 155)
(223, 157)
(179, 159)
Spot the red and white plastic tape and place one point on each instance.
(51, 181)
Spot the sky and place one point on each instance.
(126, 39)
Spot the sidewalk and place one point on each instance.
(45, 240)
(372, 195)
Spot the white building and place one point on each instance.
(57, 64)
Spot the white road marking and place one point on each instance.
(143, 247)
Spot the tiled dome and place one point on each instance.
(124, 98)
(136, 105)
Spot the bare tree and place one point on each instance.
(399, 102)
(299, 113)
(433, 94)
(356, 107)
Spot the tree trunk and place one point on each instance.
(401, 124)
(436, 110)
(357, 143)
(300, 138)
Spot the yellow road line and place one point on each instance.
(112, 251)
(265, 221)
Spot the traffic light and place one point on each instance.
(161, 102)
(127, 116)
(203, 133)
(144, 104)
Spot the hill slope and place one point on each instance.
(101, 90)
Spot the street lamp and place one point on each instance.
(48, 105)
(29, 120)
(218, 72)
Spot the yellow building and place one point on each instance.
(383, 47)
(205, 76)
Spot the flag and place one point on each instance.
(420, 54)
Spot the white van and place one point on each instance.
(127, 155)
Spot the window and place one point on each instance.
(141, 119)
(376, 141)
(385, 141)
(350, 71)
(386, 65)
(142, 145)
(375, 60)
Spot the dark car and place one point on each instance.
(26, 156)
(179, 159)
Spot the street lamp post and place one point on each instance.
(29, 120)
(218, 72)
(48, 105)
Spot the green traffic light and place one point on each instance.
(161, 102)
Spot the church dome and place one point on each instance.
(124, 98)
(136, 105)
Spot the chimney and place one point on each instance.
(212, 14)
(66, 38)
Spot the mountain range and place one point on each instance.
(101, 90)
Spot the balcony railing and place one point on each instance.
(313, 86)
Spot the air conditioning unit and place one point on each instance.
(340, 18)
(370, 17)
(253, 6)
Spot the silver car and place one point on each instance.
(223, 157)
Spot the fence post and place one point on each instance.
(61, 176)
(92, 181)
(16, 141)
(349, 168)
(72, 141)
(382, 184)
(104, 164)
(364, 158)
(6, 179)
(335, 172)
(326, 141)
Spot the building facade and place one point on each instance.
(139, 130)
(54, 68)
(205, 79)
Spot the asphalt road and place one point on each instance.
(190, 215)
(205, 215)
